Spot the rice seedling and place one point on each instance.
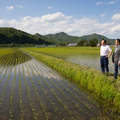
(53, 92)
(89, 78)
(30, 98)
(45, 93)
(11, 97)
(63, 52)
(31, 90)
(62, 92)
(20, 94)
(56, 95)
(6, 83)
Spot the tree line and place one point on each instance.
(92, 42)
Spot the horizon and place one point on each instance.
(76, 18)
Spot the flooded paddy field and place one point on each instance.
(89, 60)
(29, 90)
(85, 56)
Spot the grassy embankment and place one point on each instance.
(91, 79)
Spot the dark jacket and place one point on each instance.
(116, 55)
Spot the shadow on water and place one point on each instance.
(14, 58)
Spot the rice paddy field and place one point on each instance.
(30, 90)
(85, 56)
(64, 52)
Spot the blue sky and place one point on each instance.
(75, 17)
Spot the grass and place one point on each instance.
(91, 79)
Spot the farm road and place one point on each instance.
(32, 91)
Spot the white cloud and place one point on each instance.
(103, 15)
(55, 17)
(19, 6)
(57, 22)
(116, 17)
(98, 3)
(9, 8)
(111, 2)
(49, 7)
(108, 3)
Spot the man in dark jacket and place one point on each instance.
(116, 58)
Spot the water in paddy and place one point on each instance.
(90, 60)
(32, 91)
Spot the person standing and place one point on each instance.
(105, 53)
(116, 58)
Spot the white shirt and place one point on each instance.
(105, 50)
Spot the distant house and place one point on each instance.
(40, 46)
(52, 46)
(72, 44)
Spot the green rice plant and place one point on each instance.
(86, 105)
(29, 97)
(63, 52)
(28, 89)
(63, 81)
(5, 62)
(44, 89)
(6, 83)
(100, 85)
(65, 96)
(56, 96)
(42, 86)
(18, 61)
(12, 91)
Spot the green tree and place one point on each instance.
(93, 42)
(82, 43)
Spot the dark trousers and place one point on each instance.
(116, 70)
(104, 64)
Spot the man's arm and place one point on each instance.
(110, 54)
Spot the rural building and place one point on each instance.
(40, 46)
(72, 44)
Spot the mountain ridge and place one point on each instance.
(64, 37)
(9, 35)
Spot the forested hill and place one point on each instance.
(63, 37)
(12, 35)
(98, 37)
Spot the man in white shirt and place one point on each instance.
(105, 53)
(116, 58)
